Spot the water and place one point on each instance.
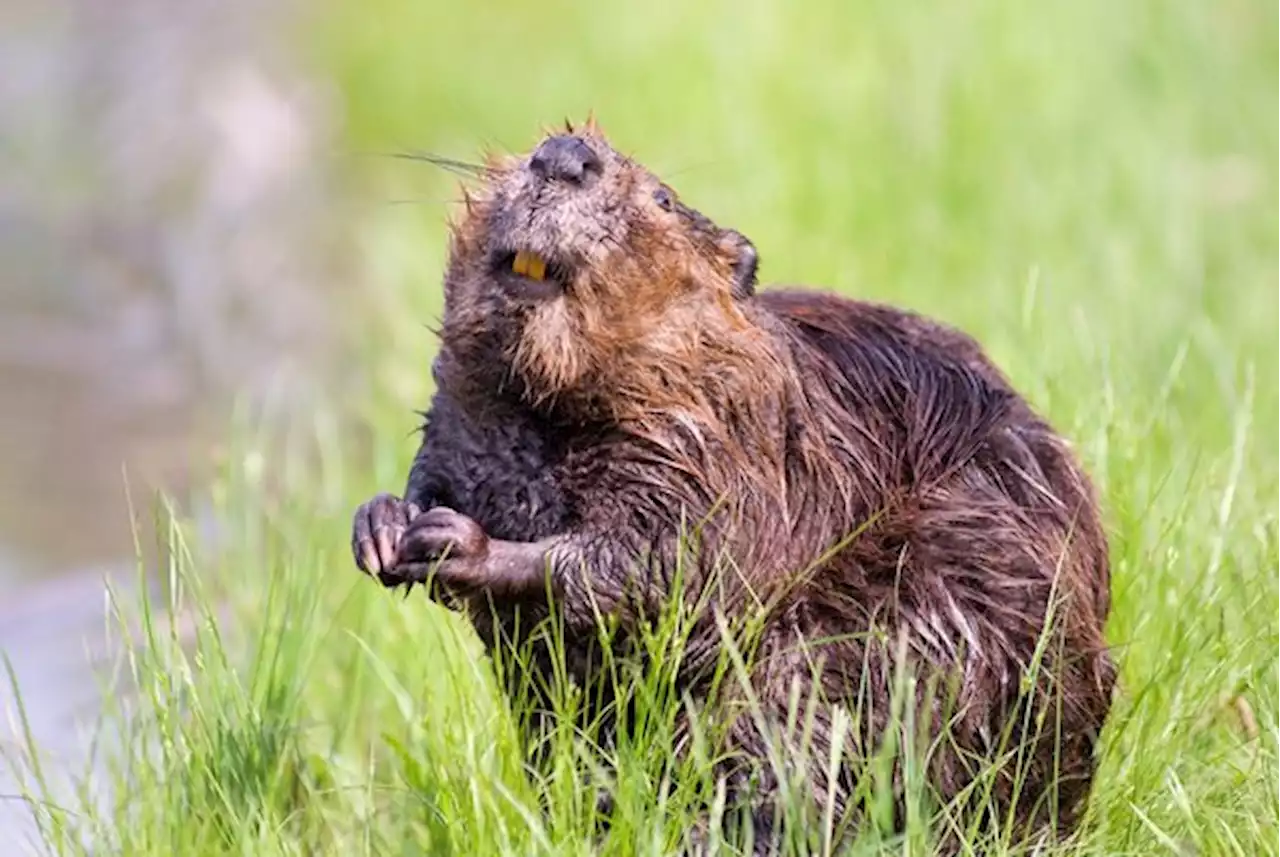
(57, 643)
(160, 175)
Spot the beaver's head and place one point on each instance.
(588, 275)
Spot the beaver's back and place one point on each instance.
(986, 520)
(945, 420)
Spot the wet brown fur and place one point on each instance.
(878, 485)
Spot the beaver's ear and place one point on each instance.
(745, 264)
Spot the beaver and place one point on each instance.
(863, 477)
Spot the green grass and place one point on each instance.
(1088, 188)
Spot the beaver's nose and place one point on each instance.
(565, 158)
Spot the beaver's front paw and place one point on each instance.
(376, 535)
(449, 543)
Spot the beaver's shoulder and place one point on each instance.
(927, 391)
(842, 327)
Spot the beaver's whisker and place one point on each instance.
(425, 200)
(464, 168)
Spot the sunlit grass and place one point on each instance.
(1088, 188)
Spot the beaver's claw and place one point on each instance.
(377, 533)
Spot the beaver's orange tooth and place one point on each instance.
(529, 265)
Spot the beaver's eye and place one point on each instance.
(663, 198)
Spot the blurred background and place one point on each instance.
(168, 253)
(199, 219)
(162, 207)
